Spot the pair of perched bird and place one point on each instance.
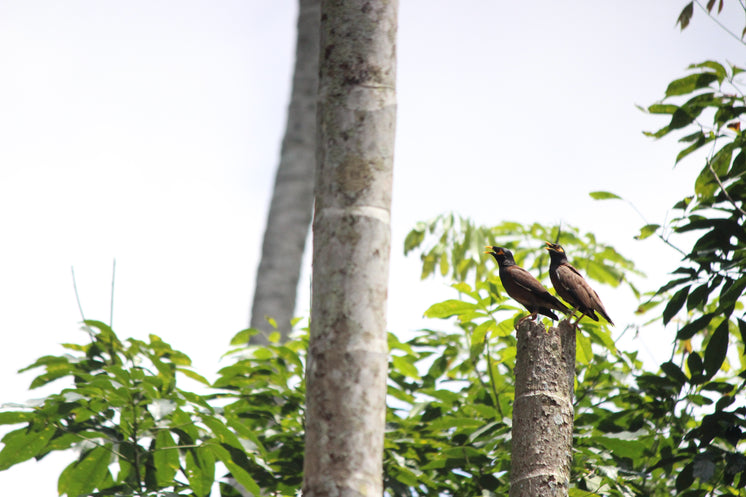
(567, 281)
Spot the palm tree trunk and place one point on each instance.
(292, 198)
(348, 357)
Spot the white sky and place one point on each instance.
(149, 131)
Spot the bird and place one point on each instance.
(524, 288)
(572, 287)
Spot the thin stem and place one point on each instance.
(662, 238)
(716, 21)
(136, 447)
(495, 395)
(722, 188)
(80, 306)
(111, 305)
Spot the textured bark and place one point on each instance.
(543, 411)
(347, 361)
(292, 197)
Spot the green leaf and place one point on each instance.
(576, 492)
(647, 230)
(696, 145)
(681, 118)
(14, 417)
(165, 458)
(404, 366)
(719, 386)
(428, 265)
(705, 185)
(715, 66)
(721, 160)
(449, 308)
(602, 273)
(413, 240)
(477, 337)
(688, 331)
(675, 304)
(674, 372)
(662, 109)
(685, 478)
(657, 134)
(23, 444)
(583, 349)
(603, 337)
(631, 449)
(698, 297)
(685, 16)
(221, 431)
(200, 470)
(730, 295)
(717, 348)
(228, 456)
(88, 474)
(695, 364)
(688, 84)
(601, 195)
(742, 329)
(193, 375)
(243, 336)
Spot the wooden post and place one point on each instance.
(543, 411)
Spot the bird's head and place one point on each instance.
(503, 256)
(556, 252)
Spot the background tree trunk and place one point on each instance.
(347, 360)
(543, 411)
(292, 198)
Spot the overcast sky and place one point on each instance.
(149, 132)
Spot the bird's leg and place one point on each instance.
(577, 321)
(572, 315)
(531, 316)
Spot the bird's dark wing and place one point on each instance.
(526, 281)
(575, 286)
(531, 290)
(584, 297)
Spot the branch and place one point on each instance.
(80, 306)
(722, 26)
(722, 189)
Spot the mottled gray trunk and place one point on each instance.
(348, 356)
(292, 198)
(543, 411)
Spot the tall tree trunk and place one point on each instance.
(292, 198)
(543, 411)
(347, 361)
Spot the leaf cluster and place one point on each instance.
(464, 401)
(699, 387)
(137, 433)
(686, 14)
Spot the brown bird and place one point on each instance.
(524, 288)
(572, 287)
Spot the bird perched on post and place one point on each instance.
(572, 287)
(524, 288)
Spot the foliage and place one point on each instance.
(450, 394)
(688, 12)
(263, 393)
(699, 389)
(135, 431)
(676, 432)
(451, 431)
